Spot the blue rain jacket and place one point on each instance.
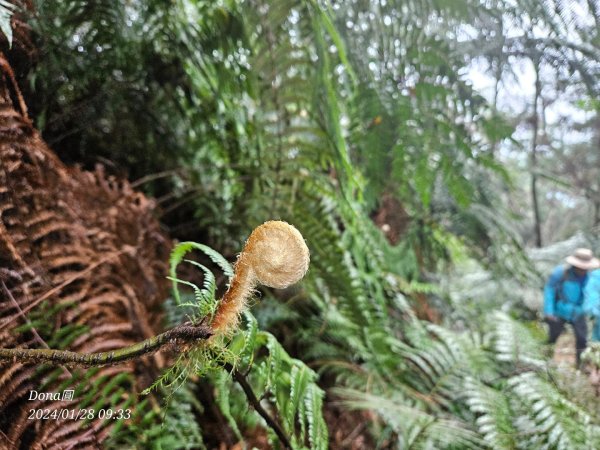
(563, 293)
(596, 330)
(591, 304)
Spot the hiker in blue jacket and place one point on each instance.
(591, 303)
(564, 295)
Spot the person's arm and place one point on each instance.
(550, 293)
(591, 296)
(549, 296)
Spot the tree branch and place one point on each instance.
(180, 334)
(36, 335)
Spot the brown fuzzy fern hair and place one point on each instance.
(275, 255)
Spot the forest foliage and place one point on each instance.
(357, 122)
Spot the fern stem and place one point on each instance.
(255, 402)
(179, 334)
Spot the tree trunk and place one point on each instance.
(533, 156)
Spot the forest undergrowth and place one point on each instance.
(142, 142)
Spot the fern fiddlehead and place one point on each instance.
(275, 255)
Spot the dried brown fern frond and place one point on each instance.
(78, 249)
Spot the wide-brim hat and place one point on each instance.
(583, 258)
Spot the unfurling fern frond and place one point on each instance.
(247, 364)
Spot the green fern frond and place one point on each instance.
(592, 354)
(223, 389)
(494, 416)
(514, 343)
(558, 422)
(414, 427)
